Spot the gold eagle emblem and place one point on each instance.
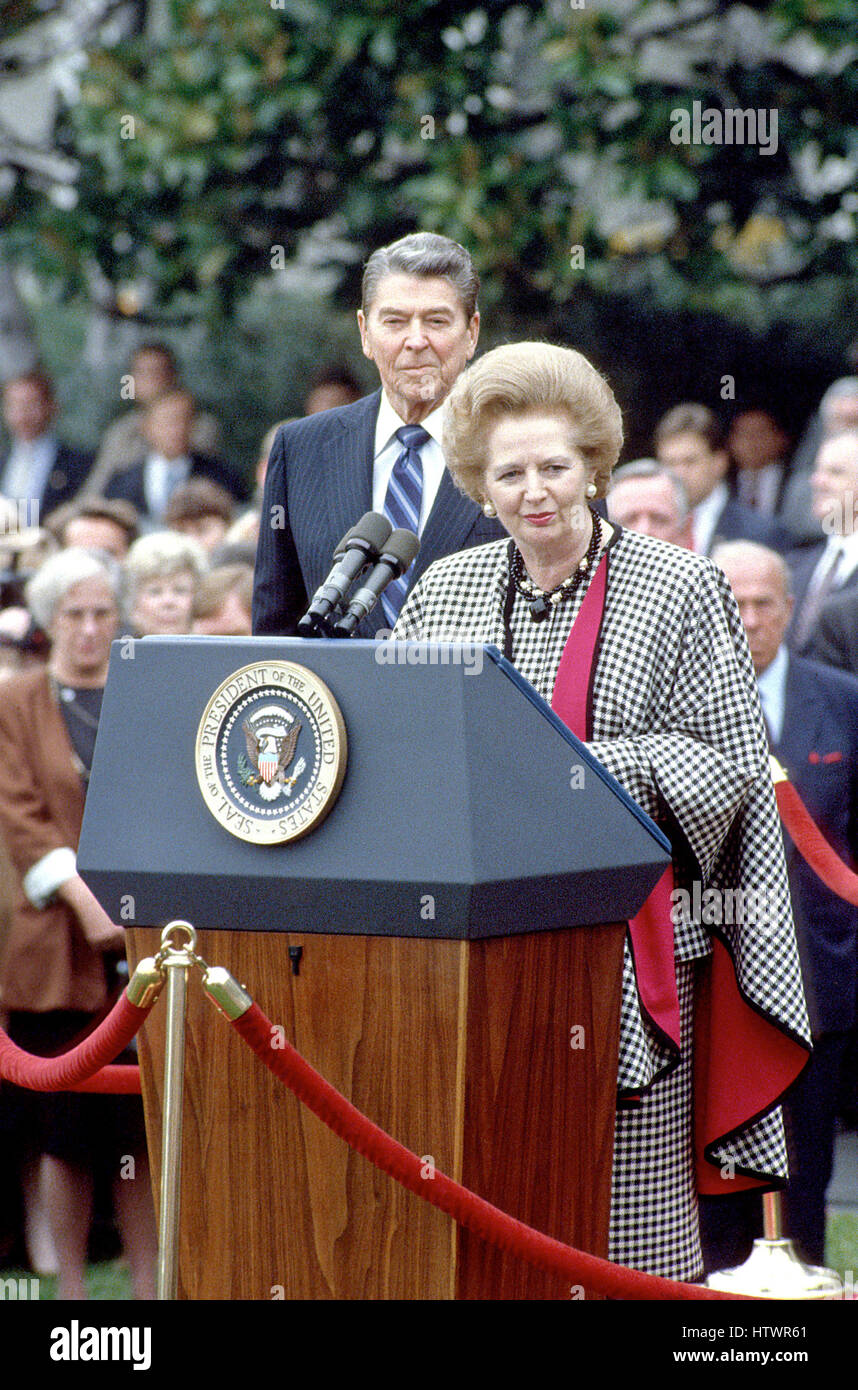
(270, 752)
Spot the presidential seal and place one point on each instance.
(271, 752)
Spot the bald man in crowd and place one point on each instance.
(647, 498)
(811, 715)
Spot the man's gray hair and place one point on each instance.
(850, 435)
(425, 254)
(651, 468)
(845, 388)
(52, 581)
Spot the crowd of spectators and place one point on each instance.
(155, 535)
(172, 528)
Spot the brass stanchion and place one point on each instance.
(773, 1269)
(176, 960)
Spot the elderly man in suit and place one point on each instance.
(690, 442)
(830, 568)
(811, 714)
(648, 498)
(38, 467)
(419, 324)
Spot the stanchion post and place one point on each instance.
(772, 1216)
(176, 960)
(773, 1268)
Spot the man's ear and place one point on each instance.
(364, 342)
(474, 328)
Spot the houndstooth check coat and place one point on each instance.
(676, 719)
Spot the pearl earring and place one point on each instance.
(488, 509)
(591, 489)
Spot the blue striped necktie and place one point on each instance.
(402, 506)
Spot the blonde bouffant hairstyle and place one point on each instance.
(524, 378)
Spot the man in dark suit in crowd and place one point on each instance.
(419, 324)
(153, 372)
(38, 468)
(811, 714)
(690, 442)
(170, 460)
(821, 571)
(834, 640)
(759, 451)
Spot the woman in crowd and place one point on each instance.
(162, 574)
(58, 968)
(639, 647)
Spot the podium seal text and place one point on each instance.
(271, 752)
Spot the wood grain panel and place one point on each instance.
(379, 1018)
(539, 1114)
(460, 1050)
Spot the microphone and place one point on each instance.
(358, 548)
(399, 551)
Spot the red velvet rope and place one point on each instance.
(813, 846)
(479, 1216)
(82, 1063)
(121, 1080)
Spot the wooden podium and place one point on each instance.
(482, 1035)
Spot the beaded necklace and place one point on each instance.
(541, 601)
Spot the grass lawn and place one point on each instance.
(841, 1246)
(108, 1281)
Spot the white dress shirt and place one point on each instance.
(761, 484)
(705, 517)
(772, 687)
(387, 451)
(161, 477)
(28, 467)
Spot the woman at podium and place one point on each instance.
(638, 646)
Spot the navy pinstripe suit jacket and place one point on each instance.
(318, 484)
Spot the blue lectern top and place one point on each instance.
(468, 809)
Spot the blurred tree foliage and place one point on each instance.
(242, 137)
